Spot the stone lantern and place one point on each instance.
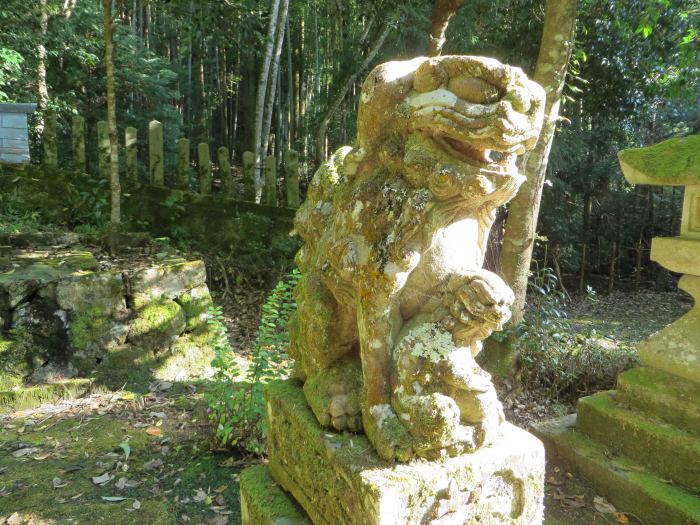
(640, 444)
(14, 133)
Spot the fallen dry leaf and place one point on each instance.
(153, 431)
(113, 499)
(136, 505)
(57, 484)
(153, 464)
(24, 452)
(621, 518)
(102, 479)
(602, 505)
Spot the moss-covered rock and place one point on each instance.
(170, 279)
(157, 324)
(264, 502)
(13, 364)
(196, 304)
(189, 357)
(103, 290)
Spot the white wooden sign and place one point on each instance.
(14, 133)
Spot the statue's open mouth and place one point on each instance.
(490, 134)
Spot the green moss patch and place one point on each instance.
(673, 161)
(662, 447)
(264, 502)
(157, 324)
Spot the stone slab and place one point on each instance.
(676, 348)
(665, 449)
(665, 396)
(623, 482)
(338, 478)
(675, 161)
(678, 254)
(264, 502)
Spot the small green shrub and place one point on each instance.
(558, 357)
(236, 401)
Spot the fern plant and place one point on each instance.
(236, 401)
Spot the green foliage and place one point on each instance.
(10, 69)
(236, 401)
(566, 362)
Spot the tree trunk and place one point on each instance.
(349, 81)
(274, 81)
(115, 189)
(260, 101)
(41, 85)
(442, 12)
(550, 72)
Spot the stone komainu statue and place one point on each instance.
(393, 302)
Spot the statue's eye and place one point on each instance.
(430, 75)
(473, 90)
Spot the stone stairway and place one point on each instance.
(639, 445)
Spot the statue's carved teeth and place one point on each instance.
(474, 153)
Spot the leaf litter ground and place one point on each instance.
(122, 458)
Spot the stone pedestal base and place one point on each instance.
(339, 480)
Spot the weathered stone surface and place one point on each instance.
(291, 177)
(156, 157)
(196, 304)
(674, 161)
(661, 395)
(395, 231)
(171, 279)
(100, 291)
(78, 143)
(248, 176)
(676, 348)
(338, 479)
(157, 324)
(263, 502)
(652, 422)
(624, 483)
(132, 163)
(662, 448)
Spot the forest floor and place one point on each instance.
(122, 458)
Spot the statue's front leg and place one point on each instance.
(379, 325)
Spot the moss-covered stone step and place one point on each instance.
(665, 449)
(264, 502)
(668, 397)
(622, 481)
(34, 396)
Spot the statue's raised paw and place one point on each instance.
(390, 438)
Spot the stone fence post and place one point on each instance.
(225, 171)
(270, 189)
(204, 167)
(183, 163)
(78, 143)
(155, 152)
(248, 176)
(291, 177)
(132, 166)
(103, 149)
(49, 139)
